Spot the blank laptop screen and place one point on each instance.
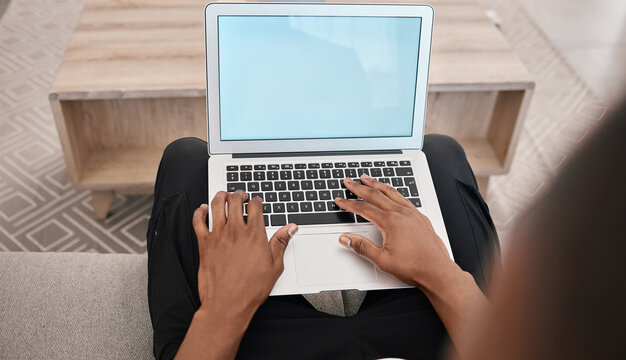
(308, 77)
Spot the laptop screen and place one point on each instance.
(316, 77)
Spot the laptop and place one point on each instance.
(300, 96)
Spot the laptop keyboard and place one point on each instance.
(303, 193)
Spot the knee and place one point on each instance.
(444, 146)
(185, 148)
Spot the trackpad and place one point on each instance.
(321, 259)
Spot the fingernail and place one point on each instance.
(347, 180)
(345, 241)
(338, 199)
(293, 229)
(365, 176)
(204, 206)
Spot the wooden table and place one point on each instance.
(133, 79)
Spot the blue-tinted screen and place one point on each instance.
(305, 77)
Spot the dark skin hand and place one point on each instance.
(238, 269)
(412, 252)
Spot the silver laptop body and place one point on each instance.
(300, 96)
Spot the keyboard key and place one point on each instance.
(272, 175)
(246, 167)
(267, 208)
(388, 172)
(353, 164)
(361, 219)
(259, 167)
(319, 206)
(366, 164)
(351, 173)
(338, 174)
(392, 163)
(284, 196)
(253, 186)
(267, 186)
(333, 184)
(285, 175)
(339, 193)
(332, 206)
(327, 165)
(266, 219)
(278, 208)
(324, 174)
(404, 171)
(311, 174)
(319, 184)
(278, 220)
(280, 185)
(410, 182)
(379, 163)
(404, 191)
(298, 195)
(259, 175)
(396, 182)
(306, 207)
(286, 166)
(293, 185)
(271, 197)
(300, 166)
(362, 171)
(232, 176)
(258, 194)
(232, 168)
(324, 195)
(405, 163)
(311, 195)
(314, 166)
(351, 195)
(416, 202)
(232, 187)
(273, 167)
(292, 207)
(306, 185)
(375, 172)
(322, 218)
(246, 176)
(298, 174)
(385, 180)
(340, 164)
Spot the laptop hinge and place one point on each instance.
(316, 153)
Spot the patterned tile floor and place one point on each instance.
(40, 211)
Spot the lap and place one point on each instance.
(389, 321)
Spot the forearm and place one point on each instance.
(457, 299)
(213, 335)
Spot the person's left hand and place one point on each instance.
(238, 266)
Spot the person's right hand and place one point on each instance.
(411, 250)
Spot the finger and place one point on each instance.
(362, 246)
(218, 209)
(199, 225)
(386, 189)
(255, 212)
(363, 208)
(279, 242)
(235, 207)
(372, 195)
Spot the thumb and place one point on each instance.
(279, 241)
(361, 245)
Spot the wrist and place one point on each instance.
(230, 320)
(447, 277)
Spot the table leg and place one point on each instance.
(101, 200)
(483, 184)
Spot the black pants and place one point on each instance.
(391, 323)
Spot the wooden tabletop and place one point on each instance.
(155, 48)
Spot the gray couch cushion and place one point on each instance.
(74, 306)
